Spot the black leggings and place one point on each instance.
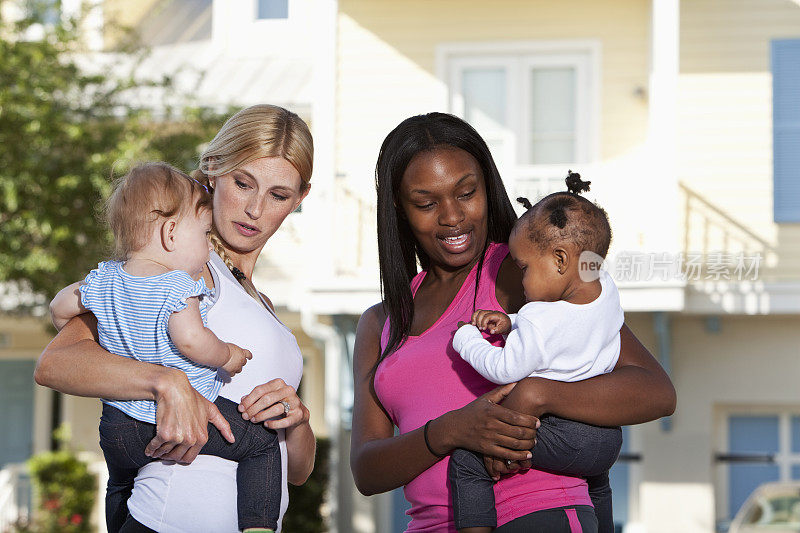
(565, 447)
(570, 519)
(131, 525)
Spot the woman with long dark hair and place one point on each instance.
(442, 204)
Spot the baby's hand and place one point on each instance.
(493, 322)
(238, 358)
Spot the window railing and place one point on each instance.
(355, 220)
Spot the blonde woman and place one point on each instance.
(258, 169)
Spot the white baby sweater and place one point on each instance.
(553, 340)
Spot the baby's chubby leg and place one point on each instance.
(574, 448)
(258, 475)
(566, 446)
(577, 449)
(472, 492)
(121, 440)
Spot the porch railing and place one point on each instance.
(355, 230)
(716, 239)
(15, 496)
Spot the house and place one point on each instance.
(682, 114)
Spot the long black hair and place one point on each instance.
(398, 249)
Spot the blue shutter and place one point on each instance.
(786, 129)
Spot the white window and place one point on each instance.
(534, 103)
(272, 9)
(756, 447)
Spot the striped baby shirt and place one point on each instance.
(132, 315)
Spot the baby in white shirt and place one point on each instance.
(568, 331)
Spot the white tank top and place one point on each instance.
(201, 497)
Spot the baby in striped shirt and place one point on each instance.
(151, 305)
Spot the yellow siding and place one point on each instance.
(725, 113)
(83, 416)
(387, 62)
(734, 35)
(124, 14)
(24, 337)
(128, 13)
(312, 387)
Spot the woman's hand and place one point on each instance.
(499, 467)
(265, 405)
(486, 427)
(182, 418)
(74, 363)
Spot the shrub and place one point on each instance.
(65, 492)
(304, 514)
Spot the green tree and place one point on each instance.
(64, 134)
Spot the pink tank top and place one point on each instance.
(426, 378)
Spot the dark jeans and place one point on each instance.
(563, 446)
(258, 476)
(570, 519)
(131, 525)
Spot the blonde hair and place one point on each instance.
(260, 131)
(254, 132)
(148, 192)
